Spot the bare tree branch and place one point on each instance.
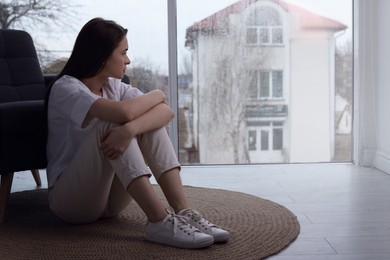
(40, 17)
(44, 14)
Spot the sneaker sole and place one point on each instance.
(200, 244)
(220, 239)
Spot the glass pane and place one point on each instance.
(251, 35)
(270, 16)
(252, 134)
(277, 35)
(302, 53)
(252, 19)
(277, 139)
(264, 35)
(264, 140)
(277, 84)
(264, 16)
(264, 84)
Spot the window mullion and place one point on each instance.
(172, 73)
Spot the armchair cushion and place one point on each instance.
(21, 77)
(22, 136)
(22, 117)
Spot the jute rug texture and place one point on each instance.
(258, 227)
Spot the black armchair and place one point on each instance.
(22, 113)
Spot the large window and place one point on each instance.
(271, 81)
(228, 63)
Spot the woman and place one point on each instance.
(100, 134)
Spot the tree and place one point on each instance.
(46, 13)
(145, 78)
(344, 71)
(55, 66)
(228, 78)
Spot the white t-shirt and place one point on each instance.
(69, 103)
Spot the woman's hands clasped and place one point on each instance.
(115, 141)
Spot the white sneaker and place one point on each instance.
(195, 219)
(175, 231)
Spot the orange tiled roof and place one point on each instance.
(219, 20)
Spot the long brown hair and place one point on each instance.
(94, 44)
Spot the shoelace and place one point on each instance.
(196, 216)
(180, 222)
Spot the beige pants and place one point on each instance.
(94, 187)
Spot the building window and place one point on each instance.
(266, 85)
(265, 136)
(264, 26)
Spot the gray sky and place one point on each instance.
(147, 33)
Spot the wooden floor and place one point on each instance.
(344, 210)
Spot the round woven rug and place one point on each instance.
(258, 227)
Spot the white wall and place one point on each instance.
(383, 85)
(372, 110)
(310, 118)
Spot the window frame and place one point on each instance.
(172, 73)
(271, 88)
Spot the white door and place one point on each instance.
(265, 143)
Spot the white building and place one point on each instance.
(263, 84)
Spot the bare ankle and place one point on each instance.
(156, 218)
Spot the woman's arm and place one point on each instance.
(115, 140)
(157, 117)
(127, 110)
